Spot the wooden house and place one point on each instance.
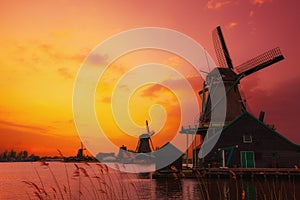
(248, 142)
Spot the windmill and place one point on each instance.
(80, 151)
(231, 76)
(145, 143)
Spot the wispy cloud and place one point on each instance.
(20, 137)
(154, 90)
(37, 55)
(79, 57)
(106, 100)
(251, 13)
(216, 4)
(22, 126)
(65, 73)
(260, 2)
(231, 25)
(97, 59)
(172, 61)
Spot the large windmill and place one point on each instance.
(231, 76)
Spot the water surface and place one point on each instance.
(59, 180)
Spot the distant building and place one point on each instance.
(106, 157)
(248, 142)
(125, 155)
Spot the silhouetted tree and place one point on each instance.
(12, 154)
(5, 155)
(17, 156)
(25, 154)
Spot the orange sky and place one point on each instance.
(43, 44)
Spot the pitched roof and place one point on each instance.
(252, 117)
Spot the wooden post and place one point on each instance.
(187, 151)
(223, 158)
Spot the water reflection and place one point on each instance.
(257, 188)
(168, 188)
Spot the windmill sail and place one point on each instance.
(221, 49)
(264, 60)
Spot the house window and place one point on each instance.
(247, 138)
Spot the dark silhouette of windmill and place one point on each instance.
(231, 77)
(80, 152)
(145, 143)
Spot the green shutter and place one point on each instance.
(243, 159)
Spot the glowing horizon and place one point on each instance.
(45, 43)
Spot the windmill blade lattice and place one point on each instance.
(221, 49)
(264, 60)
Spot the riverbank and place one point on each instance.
(230, 173)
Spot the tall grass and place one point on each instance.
(88, 181)
(97, 181)
(239, 188)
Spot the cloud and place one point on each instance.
(22, 126)
(260, 2)
(216, 4)
(68, 121)
(106, 100)
(251, 13)
(65, 73)
(153, 90)
(124, 88)
(40, 139)
(55, 53)
(231, 25)
(173, 61)
(45, 47)
(34, 142)
(78, 57)
(97, 59)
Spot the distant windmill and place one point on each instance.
(80, 151)
(231, 77)
(145, 143)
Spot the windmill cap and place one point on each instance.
(145, 135)
(226, 74)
